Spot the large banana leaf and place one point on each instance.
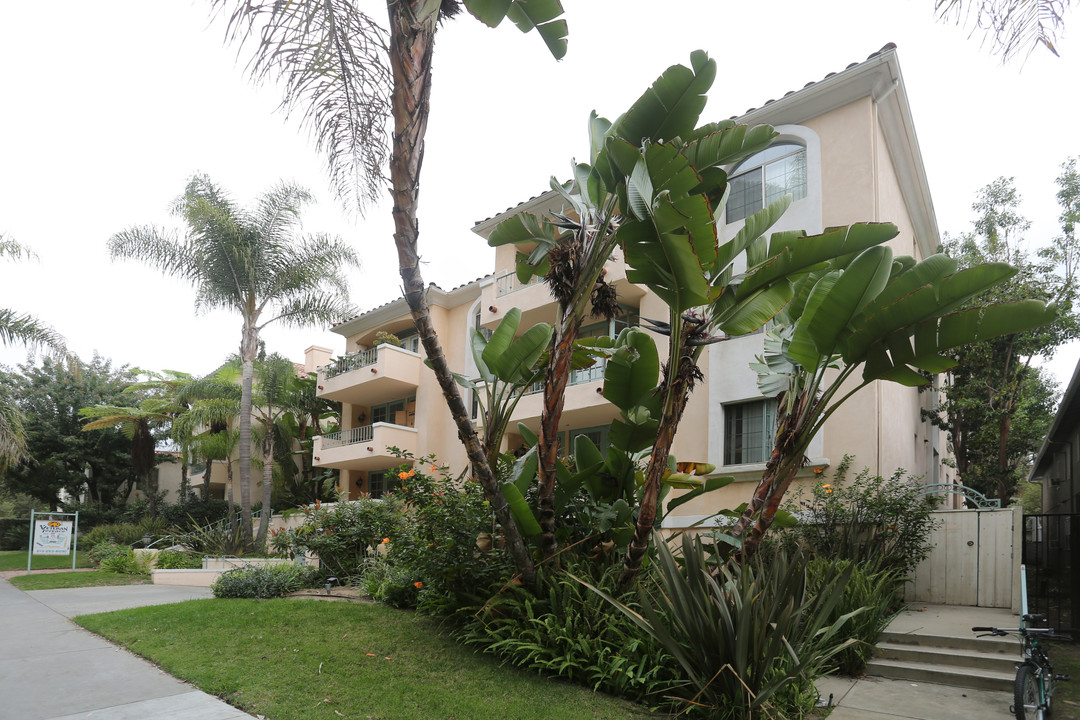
(833, 305)
(633, 371)
(672, 105)
(543, 15)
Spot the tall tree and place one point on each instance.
(62, 457)
(252, 262)
(347, 76)
(25, 330)
(994, 399)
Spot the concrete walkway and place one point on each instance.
(52, 669)
(874, 698)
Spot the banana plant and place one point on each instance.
(858, 319)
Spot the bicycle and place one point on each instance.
(1033, 690)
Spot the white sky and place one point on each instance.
(107, 108)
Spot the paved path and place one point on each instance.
(52, 669)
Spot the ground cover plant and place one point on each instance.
(268, 581)
(16, 560)
(311, 660)
(51, 581)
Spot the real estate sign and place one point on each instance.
(52, 537)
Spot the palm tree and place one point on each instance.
(1014, 27)
(348, 78)
(28, 331)
(275, 376)
(251, 262)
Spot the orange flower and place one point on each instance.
(418, 584)
(402, 475)
(434, 468)
(826, 486)
(818, 471)
(385, 541)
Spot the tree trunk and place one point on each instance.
(267, 486)
(680, 387)
(248, 348)
(558, 375)
(206, 479)
(411, 46)
(229, 485)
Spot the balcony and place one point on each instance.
(370, 377)
(584, 405)
(364, 447)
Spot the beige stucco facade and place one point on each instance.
(862, 164)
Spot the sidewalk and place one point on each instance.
(51, 669)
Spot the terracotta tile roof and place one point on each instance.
(885, 48)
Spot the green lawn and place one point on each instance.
(51, 581)
(16, 560)
(312, 660)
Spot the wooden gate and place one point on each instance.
(975, 560)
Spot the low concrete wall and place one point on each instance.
(192, 578)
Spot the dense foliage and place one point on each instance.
(65, 459)
(269, 581)
(997, 406)
(871, 520)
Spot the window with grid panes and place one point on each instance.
(748, 431)
(765, 177)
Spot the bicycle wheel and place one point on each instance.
(1026, 694)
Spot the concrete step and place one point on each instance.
(1006, 646)
(972, 660)
(942, 674)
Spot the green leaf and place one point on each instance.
(755, 226)
(710, 484)
(542, 14)
(672, 106)
(489, 12)
(520, 509)
(524, 470)
(633, 371)
(500, 340)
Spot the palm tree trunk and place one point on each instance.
(206, 479)
(267, 486)
(412, 38)
(248, 347)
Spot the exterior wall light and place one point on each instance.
(492, 308)
(370, 449)
(374, 371)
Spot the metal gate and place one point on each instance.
(975, 560)
(1051, 553)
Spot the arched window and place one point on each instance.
(765, 177)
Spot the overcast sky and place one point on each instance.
(108, 108)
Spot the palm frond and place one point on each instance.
(12, 249)
(1012, 27)
(331, 59)
(12, 432)
(28, 330)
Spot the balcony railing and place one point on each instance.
(352, 361)
(364, 433)
(577, 377)
(508, 283)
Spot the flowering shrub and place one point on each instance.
(870, 519)
(343, 536)
(108, 550)
(433, 560)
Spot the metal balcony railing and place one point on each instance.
(352, 361)
(577, 377)
(508, 283)
(341, 438)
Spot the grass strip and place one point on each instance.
(311, 660)
(97, 578)
(16, 560)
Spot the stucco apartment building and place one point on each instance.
(847, 152)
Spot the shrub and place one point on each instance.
(874, 590)
(750, 638)
(344, 535)
(120, 533)
(884, 522)
(103, 551)
(14, 533)
(268, 581)
(568, 631)
(178, 560)
(436, 541)
(394, 585)
(220, 538)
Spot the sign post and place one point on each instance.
(52, 536)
